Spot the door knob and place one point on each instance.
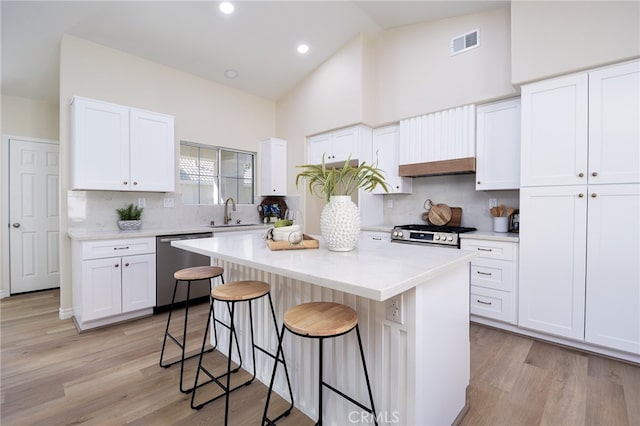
(16, 225)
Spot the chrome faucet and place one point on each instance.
(227, 216)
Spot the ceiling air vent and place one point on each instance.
(465, 42)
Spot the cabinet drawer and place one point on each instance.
(495, 274)
(376, 236)
(493, 304)
(490, 249)
(112, 248)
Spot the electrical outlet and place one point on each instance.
(142, 202)
(395, 309)
(167, 202)
(390, 204)
(493, 202)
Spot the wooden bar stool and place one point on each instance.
(232, 293)
(321, 320)
(188, 275)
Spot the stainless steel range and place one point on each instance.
(429, 234)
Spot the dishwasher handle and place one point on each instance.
(193, 237)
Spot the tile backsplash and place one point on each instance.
(96, 210)
(453, 190)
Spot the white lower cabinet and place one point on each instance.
(579, 263)
(376, 236)
(493, 279)
(113, 280)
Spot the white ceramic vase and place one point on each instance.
(340, 223)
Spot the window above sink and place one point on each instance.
(211, 174)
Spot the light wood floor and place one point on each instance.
(51, 375)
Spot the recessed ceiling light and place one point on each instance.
(227, 7)
(230, 73)
(303, 48)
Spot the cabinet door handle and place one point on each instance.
(126, 264)
(594, 174)
(125, 182)
(117, 265)
(121, 248)
(483, 302)
(594, 195)
(484, 273)
(478, 182)
(580, 174)
(135, 183)
(484, 249)
(581, 195)
(377, 238)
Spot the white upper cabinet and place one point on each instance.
(498, 145)
(582, 128)
(386, 142)
(337, 146)
(614, 124)
(114, 147)
(272, 166)
(554, 132)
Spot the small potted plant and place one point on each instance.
(340, 218)
(130, 218)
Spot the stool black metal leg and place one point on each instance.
(265, 419)
(227, 390)
(284, 363)
(204, 343)
(320, 381)
(166, 331)
(366, 375)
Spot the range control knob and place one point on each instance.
(437, 237)
(450, 238)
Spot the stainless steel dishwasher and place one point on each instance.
(169, 260)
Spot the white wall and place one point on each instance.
(29, 118)
(205, 112)
(416, 73)
(551, 38)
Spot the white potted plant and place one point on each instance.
(130, 218)
(340, 217)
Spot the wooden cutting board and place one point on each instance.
(439, 214)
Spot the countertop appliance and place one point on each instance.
(448, 236)
(169, 260)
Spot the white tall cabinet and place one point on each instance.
(114, 147)
(272, 166)
(579, 207)
(385, 151)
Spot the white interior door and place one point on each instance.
(33, 215)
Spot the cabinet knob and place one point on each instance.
(135, 183)
(125, 182)
(126, 264)
(274, 190)
(117, 265)
(580, 174)
(581, 195)
(594, 195)
(479, 182)
(594, 174)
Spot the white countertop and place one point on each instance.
(373, 270)
(492, 236)
(94, 234)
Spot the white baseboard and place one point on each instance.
(3, 294)
(65, 313)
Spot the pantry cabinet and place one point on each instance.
(385, 151)
(338, 145)
(494, 279)
(498, 145)
(272, 166)
(113, 280)
(114, 147)
(582, 128)
(579, 272)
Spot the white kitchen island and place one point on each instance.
(419, 368)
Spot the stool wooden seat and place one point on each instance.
(240, 290)
(198, 273)
(232, 293)
(317, 319)
(187, 275)
(321, 320)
